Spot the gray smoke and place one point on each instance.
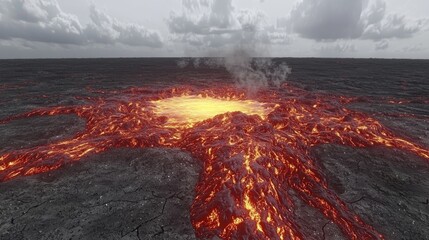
(248, 71)
(254, 73)
(233, 38)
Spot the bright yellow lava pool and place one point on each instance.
(185, 111)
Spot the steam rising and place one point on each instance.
(248, 72)
(241, 58)
(255, 73)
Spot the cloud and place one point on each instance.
(392, 26)
(105, 29)
(327, 19)
(323, 20)
(382, 45)
(278, 37)
(41, 21)
(44, 21)
(202, 17)
(334, 49)
(413, 49)
(216, 23)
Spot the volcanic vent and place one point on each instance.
(255, 152)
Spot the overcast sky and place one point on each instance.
(175, 28)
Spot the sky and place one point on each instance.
(212, 28)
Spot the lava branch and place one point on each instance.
(238, 195)
(244, 193)
(254, 154)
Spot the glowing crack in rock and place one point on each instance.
(255, 152)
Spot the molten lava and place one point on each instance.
(255, 152)
(185, 111)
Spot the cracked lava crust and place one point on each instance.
(255, 152)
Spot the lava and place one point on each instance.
(255, 152)
(185, 111)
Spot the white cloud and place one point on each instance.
(344, 19)
(278, 37)
(373, 13)
(392, 26)
(215, 24)
(382, 45)
(33, 11)
(339, 47)
(44, 21)
(202, 17)
(41, 21)
(105, 29)
(327, 19)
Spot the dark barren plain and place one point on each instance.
(146, 193)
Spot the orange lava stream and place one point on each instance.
(255, 152)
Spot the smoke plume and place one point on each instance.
(248, 71)
(236, 45)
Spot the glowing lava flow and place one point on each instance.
(254, 154)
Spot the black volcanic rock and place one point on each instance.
(123, 193)
(388, 188)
